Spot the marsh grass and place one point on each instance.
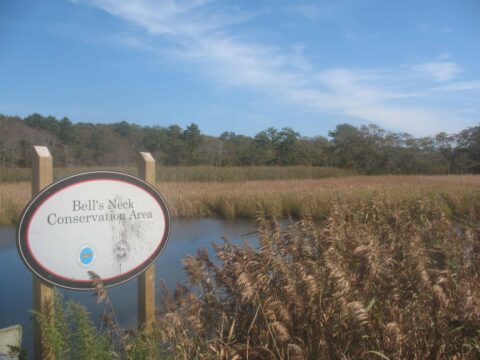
(299, 198)
(378, 279)
(13, 198)
(196, 173)
(287, 198)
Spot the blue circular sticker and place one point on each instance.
(86, 255)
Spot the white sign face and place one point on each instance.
(109, 223)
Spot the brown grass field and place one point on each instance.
(380, 267)
(377, 280)
(456, 194)
(198, 173)
(391, 272)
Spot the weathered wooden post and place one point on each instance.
(146, 280)
(97, 225)
(43, 294)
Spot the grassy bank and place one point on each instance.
(457, 195)
(379, 279)
(197, 173)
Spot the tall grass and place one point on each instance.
(73, 335)
(287, 198)
(297, 198)
(246, 173)
(13, 198)
(197, 173)
(378, 279)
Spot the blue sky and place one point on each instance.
(245, 65)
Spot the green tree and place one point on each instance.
(65, 131)
(468, 149)
(192, 139)
(346, 141)
(237, 149)
(265, 143)
(174, 145)
(155, 141)
(287, 147)
(444, 147)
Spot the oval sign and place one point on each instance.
(105, 222)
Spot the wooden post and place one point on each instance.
(146, 281)
(43, 294)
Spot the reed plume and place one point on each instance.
(377, 278)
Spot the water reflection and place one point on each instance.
(187, 235)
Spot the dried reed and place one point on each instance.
(376, 280)
(380, 277)
(287, 198)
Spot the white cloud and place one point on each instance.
(201, 36)
(444, 56)
(439, 71)
(348, 93)
(173, 18)
(459, 86)
(314, 10)
(133, 42)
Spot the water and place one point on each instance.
(187, 235)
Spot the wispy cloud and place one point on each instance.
(429, 28)
(357, 94)
(173, 18)
(199, 32)
(439, 71)
(133, 42)
(459, 86)
(314, 10)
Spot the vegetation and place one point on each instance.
(200, 173)
(73, 335)
(378, 267)
(286, 198)
(367, 149)
(378, 279)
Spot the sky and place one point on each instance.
(246, 65)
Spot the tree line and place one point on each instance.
(368, 148)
